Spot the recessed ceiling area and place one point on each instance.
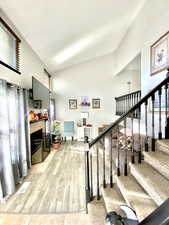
(65, 33)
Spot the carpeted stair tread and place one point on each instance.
(159, 161)
(143, 207)
(112, 199)
(135, 196)
(96, 212)
(163, 145)
(131, 187)
(155, 184)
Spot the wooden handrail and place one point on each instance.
(132, 93)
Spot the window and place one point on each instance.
(9, 47)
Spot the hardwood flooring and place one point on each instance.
(56, 186)
(66, 219)
(56, 192)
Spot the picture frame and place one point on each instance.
(85, 101)
(72, 104)
(96, 103)
(37, 104)
(160, 54)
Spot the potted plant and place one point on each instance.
(57, 134)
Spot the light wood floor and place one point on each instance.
(68, 219)
(56, 185)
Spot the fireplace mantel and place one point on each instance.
(37, 125)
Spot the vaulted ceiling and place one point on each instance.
(67, 32)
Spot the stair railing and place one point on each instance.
(125, 102)
(123, 132)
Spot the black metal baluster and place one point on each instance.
(91, 177)
(153, 125)
(130, 96)
(87, 176)
(124, 104)
(116, 105)
(139, 134)
(127, 103)
(104, 165)
(98, 174)
(118, 152)
(146, 127)
(166, 109)
(120, 105)
(129, 106)
(137, 110)
(132, 140)
(136, 101)
(111, 162)
(160, 130)
(131, 100)
(125, 160)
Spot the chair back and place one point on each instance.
(69, 128)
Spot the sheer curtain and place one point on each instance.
(14, 137)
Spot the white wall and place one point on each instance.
(94, 79)
(30, 64)
(97, 75)
(149, 26)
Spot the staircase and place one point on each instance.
(133, 170)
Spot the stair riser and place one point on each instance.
(162, 169)
(162, 148)
(135, 197)
(147, 188)
(112, 199)
(123, 193)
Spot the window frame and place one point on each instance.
(17, 50)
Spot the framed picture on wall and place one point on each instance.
(85, 101)
(72, 103)
(96, 103)
(160, 54)
(37, 104)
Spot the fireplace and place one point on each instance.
(40, 141)
(37, 146)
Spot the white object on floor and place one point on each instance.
(24, 187)
(130, 213)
